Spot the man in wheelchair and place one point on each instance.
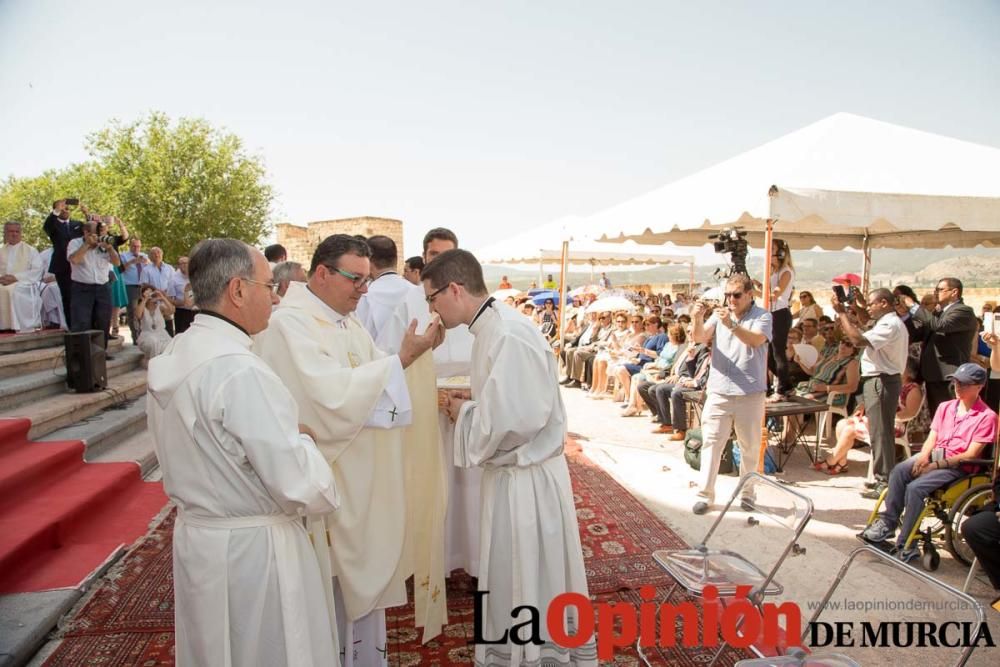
(961, 429)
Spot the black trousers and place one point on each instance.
(91, 308)
(937, 393)
(132, 291)
(992, 397)
(664, 401)
(777, 359)
(982, 532)
(65, 283)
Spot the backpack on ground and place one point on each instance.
(692, 452)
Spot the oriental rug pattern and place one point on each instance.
(129, 620)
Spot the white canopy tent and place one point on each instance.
(544, 247)
(845, 181)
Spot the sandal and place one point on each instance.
(836, 469)
(822, 466)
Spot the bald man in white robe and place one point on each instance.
(20, 272)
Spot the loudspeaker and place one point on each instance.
(86, 361)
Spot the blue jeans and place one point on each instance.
(907, 494)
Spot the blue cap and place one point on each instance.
(969, 373)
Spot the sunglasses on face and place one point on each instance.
(733, 295)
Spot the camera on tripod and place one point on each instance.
(733, 242)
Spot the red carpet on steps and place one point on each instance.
(60, 517)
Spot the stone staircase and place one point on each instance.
(112, 426)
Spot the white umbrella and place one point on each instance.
(502, 294)
(612, 304)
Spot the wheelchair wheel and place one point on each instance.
(930, 559)
(970, 502)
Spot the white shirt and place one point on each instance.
(786, 294)
(157, 277)
(175, 288)
(889, 343)
(94, 268)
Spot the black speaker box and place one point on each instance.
(86, 361)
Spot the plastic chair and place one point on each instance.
(705, 565)
(904, 577)
(825, 424)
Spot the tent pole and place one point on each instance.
(866, 267)
(691, 282)
(765, 289)
(541, 268)
(562, 296)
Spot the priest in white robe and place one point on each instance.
(451, 359)
(20, 272)
(356, 399)
(386, 311)
(514, 427)
(242, 472)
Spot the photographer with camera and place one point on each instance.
(154, 310)
(61, 230)
(739, 335)
(782, 275)
(883, 359)
(91, 258)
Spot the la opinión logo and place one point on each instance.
(738, 621)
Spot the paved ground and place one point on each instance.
(653, 469)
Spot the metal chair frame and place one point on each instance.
(908, 569)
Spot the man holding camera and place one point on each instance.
(134, 261)
(91, 259)
(947, 333)
(61, 230)
(739, 333)
(883, 360)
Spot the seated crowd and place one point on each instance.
(646, 359)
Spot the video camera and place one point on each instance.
(734, 242)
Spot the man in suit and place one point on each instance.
(947, 335)
(61, 230)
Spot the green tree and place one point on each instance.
(173, 184)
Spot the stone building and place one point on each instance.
(300, 242)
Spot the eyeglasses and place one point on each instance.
(433, 295)
(733, 295)
(942, 289)
(273, 286)
(359, 281)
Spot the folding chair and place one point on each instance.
(904, 577)
(705, 565)
(825, 423)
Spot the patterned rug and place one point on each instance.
(129, 620)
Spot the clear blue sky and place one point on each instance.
(487, 117)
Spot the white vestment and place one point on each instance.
(20, 302)
(386, 311)
(515, 428)
(52, 305)
(248, 589)
(452, 358)
(354, 397)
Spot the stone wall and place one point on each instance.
(300, 242)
